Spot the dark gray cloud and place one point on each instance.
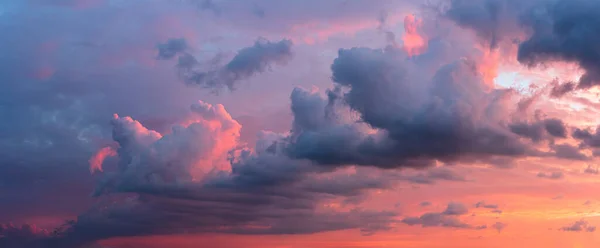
(579, 226)
(556, 30)
(246, 63)
(587, 137)
(566, 31)
(171, 48)
(540, 130)
(417, 119)
(569, 152)
(485, 17)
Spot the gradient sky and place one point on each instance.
(299, 123)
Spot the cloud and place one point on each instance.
(198, 178)
(482, 204)
(563, 33)
(496, 211)
(569, 152)
(425, 204)
(247, 62)
(554, 175)
(579, 226)
(499, 226)
(435, 174)
(557, 31)
(491, 20)
(401, 105)
(591, 170)
(98, 158)
(12, 236)
(540, 130)
(456, 208)
(587, 137)
(447, 218)
(172, 48)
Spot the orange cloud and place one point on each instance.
(488, 65)
(414, 43)
(98, 158)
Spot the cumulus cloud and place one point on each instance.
(197, 178)
(389, 108)
(418, 120)
(247, 62)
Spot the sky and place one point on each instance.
(299, 123)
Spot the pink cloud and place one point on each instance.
(98, 158)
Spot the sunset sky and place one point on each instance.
(299, 123)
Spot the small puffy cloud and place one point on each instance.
(591, 170)
(172, 48)
(456, 208)
(435, 220)
(499, 226)
(482, 204)
(554, 175)
(579, 226)
(496, 211)
(446, 218)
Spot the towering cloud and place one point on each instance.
(419, 119)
